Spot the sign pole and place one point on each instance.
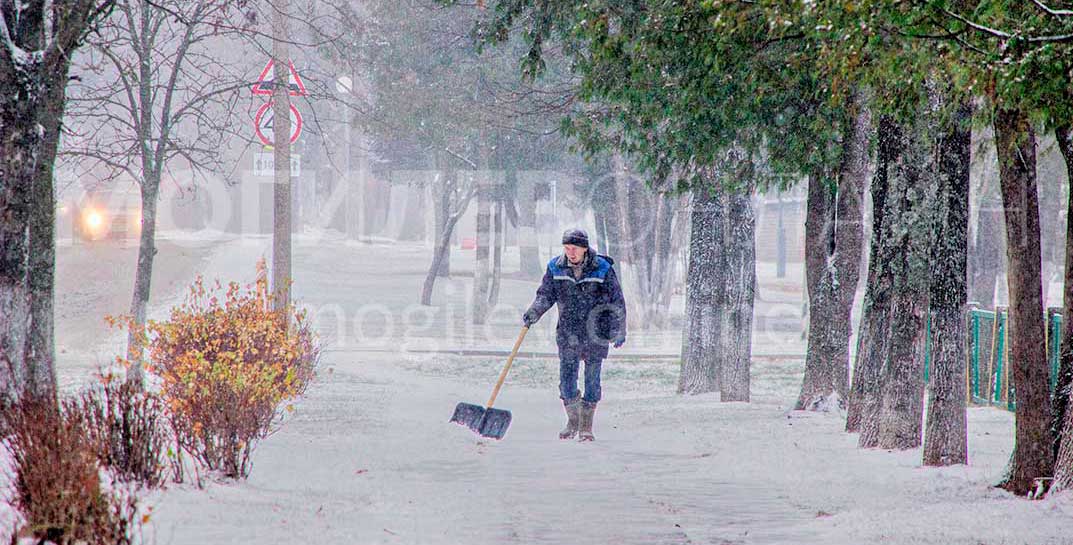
(281, 131)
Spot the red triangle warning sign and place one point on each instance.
(265, 81)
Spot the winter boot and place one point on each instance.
(572, 407)
(585, 423)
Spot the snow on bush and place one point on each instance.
(227, 367)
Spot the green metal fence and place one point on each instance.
(988, 370)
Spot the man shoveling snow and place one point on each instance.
(592, 313)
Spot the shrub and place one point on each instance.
(130, 428)
(227, 367)
(56, 483)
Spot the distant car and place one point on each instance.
(106, 215)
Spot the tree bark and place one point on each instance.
(834, 236)
(740, 263)
(143, 277)
(1033, 454)
(41, 356)
(702, 353)
(946, 435)
(874, 335)
(896, 416)
(32, 100)
(1062, 422)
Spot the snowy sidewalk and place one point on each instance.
(370, 458)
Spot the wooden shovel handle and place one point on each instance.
(506, 368)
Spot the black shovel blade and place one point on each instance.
(469, 415)
(495, 423)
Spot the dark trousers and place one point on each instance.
(569, 362)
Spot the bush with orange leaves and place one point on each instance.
(227, 367)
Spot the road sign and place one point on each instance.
(264, 164)
(265, 81)
(263, 124)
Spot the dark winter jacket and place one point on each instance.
(592, 311)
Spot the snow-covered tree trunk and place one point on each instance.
(644, 221)
(1063, 417)
(143, 275)
(893, 407)
(528, 243)
(945, 437)
(987, 252)
(739, 248)
(987, 258)
(441, 193)
(702, 353)
(497, 254)
(458, 202)
(41, 356)
(834, 236)
(875, 324)
(480, 266)
(1033, 454)
(35, 53)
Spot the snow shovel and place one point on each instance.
(487, 421)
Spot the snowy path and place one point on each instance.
(370, 458)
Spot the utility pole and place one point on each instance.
(281, 131)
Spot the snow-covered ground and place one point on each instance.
(369, 456)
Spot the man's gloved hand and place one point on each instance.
(530, 317)
(619, 342)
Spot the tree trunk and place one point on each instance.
(702, 354)
(895, 418)
(644, 221)
(480, 270)
(281, 129)
(32, 100)
(143, 276)
(30, 113)
(497, 255)
(1063, 417)
(833, 244)
(41, 357)
(1033, 454)
(528, 244)
(740, 259)
(987, 257)
(442, 246)
(442, 195)
(945, 438)
(875, 324)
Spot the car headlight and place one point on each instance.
(94, 220)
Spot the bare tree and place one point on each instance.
(37, 38)
(157, 97)
(457, 191)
